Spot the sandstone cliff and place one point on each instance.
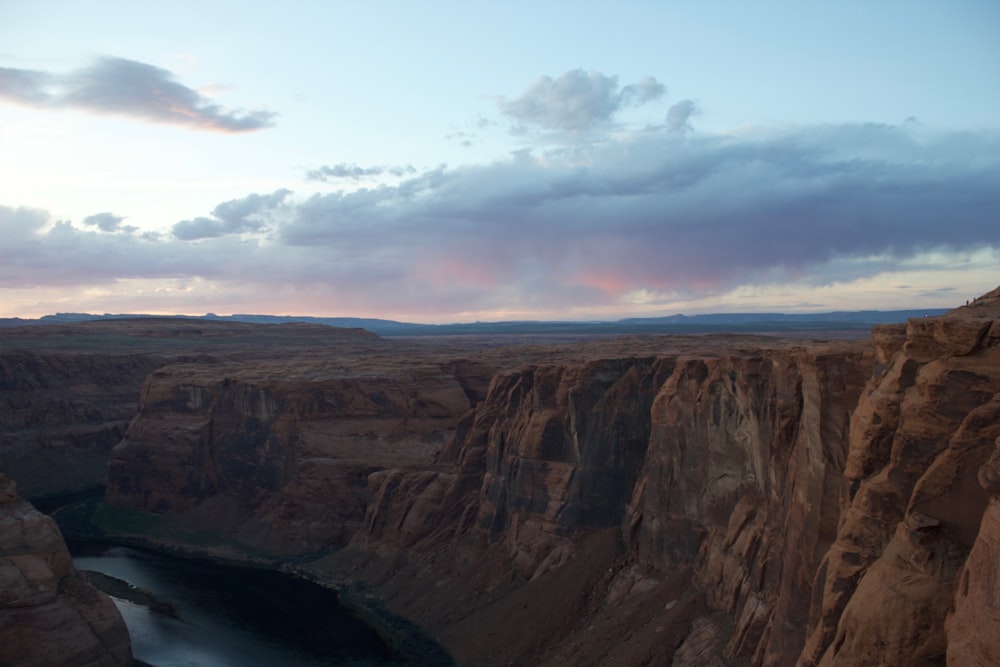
(67, 392)
(61, 413)
(49, 613)
(832, 505)
(721, 465)
(676, 500)
(277, 456)
(913, 507)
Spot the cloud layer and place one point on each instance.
(129, 88)
(662, 213)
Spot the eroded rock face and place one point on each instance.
(67, 392)
(277, 456)
(832, 501)
(49, 613)
(971, 628)
(723, 464)
(697, 500)
(742, 479)
(61, 414)
(915, 508)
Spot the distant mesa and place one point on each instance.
(860, 321)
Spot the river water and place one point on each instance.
(232, 616)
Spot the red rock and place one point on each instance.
(50, 614)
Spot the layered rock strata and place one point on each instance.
(277, 456)
(61, 413)
(49, 613)
(688, 501)
(67, 392)
(834, 504)
(917, 488)
(723, 464)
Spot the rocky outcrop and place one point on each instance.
(971, 628)
(49, 613)
(832, 503)
(914, 510)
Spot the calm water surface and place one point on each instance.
(236, 616)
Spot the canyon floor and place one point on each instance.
(688, 500)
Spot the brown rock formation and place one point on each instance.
(67, 392)
(724, 465)
(675, 500)
(49, 613)
(741, 479)
(971, 628)
(277, 455)
(61, 413)
(914, 507)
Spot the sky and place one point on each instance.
(464, 161)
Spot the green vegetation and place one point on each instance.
(124, 525)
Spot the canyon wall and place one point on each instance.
(277, 456)
(62, 412)
(919, 477)
(723, 464)
(832, 504)
(49, 613)
(676, 500)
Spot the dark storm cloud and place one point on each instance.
(579, 227)
(353, 172)
(129, 88)
(577, 100)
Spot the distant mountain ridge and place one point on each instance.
(860, 320)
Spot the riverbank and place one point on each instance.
(83, 519)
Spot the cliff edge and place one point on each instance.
(49, 613)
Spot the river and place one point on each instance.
(226, 615)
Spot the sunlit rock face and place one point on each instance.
(917, 528)
(49, 613)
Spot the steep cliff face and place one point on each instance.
(724, 464)
(61, 413)
(832, 501)
(49, 613)
(277, 456)
(914, 507)
(971, 628)
(742, 480)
